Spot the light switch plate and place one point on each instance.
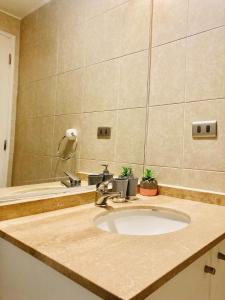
(204, 129)
(104, 133)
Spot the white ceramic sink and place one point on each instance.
(142, 221)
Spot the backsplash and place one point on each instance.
(148, 70)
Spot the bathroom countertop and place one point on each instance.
(115, 266)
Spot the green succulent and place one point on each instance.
(148, 174)
(126, 172)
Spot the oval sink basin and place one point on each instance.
(142, 221)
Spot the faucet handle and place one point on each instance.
(74, 180)
(103, 186)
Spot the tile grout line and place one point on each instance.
(148, 85)
(188, 36)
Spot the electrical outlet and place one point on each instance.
(204, 129)
(104, 133)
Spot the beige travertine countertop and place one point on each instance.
(111, 265)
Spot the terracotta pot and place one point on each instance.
(149, 187)
(148, 192)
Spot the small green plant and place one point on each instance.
(148, 174)
(126, 171)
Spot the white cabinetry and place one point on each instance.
(193, 283)
(218, 281)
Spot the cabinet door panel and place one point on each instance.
(218, 281)
(191, 283)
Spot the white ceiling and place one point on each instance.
(20, 8)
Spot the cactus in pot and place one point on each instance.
(148, 185)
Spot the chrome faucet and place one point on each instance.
(72, 180)
(103, 194)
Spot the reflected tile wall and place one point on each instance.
(146, 68)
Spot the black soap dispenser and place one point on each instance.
(106, 174)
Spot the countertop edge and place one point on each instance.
(98, 290)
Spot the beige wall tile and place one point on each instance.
(70, 92)
(41, 166)
(27, 101)
(93, 8)
(39, 135)
(95, 166)
(29, 29)
(206, 65)
(169, 20)
(167, 81)
(28, 63)
(101, 86)
(91, 147)
(133, 80)
(165, 175)
(62, 123)
(204, 15)
(165, 136)
(60, 166)
(207, 154)
(94, 40)
(113, 33)
(45, 58)
(71, 12)
(130, 135)
(136, 26)
(45, 97)
(109, 4)
(116, 168)
(71, 47)
(206, 180)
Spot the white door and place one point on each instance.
(6, 87)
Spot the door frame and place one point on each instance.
(11, 118)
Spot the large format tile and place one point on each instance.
(95, 166)
(133, 80)
(71, 12)
(46, 58)
(206, 65)
(109, 4)
(206, 180)
(101, 85)
(91, 147)
(206, 154)
(94, 40)
(204, 15)
(70, 92)
(93, 8)
(71, 47)
(165, 136)
(130, 136)
(113, 32)
(136, 31)
(45, 96)
(169, 20)
(26, 102)
(39, 135)
(167, 81)
(165, 175)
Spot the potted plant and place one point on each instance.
(148, 185)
